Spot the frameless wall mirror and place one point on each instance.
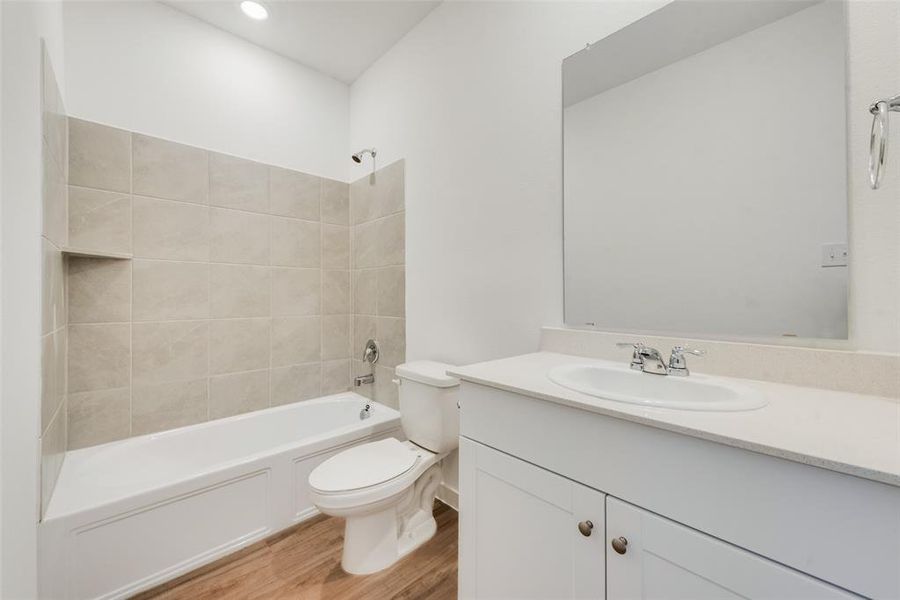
(705, 173)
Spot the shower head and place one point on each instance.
(357, 158)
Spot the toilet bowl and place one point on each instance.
(385, 490)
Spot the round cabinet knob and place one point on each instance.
(585, 527)
(620, 545)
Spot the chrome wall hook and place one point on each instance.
(878, 137)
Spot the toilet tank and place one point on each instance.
(428, 405)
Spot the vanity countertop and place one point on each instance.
(850, 433)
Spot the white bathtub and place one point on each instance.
(128, 515)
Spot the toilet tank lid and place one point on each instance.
(428, 372)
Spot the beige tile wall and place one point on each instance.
(237, 298)
(378, 276)
(53, 301)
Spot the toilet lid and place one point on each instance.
(363, 466)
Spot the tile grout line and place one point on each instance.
(208, 291)
(131, 298)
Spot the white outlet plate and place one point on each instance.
(834, 255)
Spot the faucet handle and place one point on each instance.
(635, 345)
(677, 362)
(686, 350)
(637, 360)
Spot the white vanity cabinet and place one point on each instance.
(663, 559)
(701, 519)
(530, 533)
(534, 534)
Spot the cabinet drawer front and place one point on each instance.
(664, 559)
(519, 530)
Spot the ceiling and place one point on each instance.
(340, 38)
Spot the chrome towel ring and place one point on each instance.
(878, 137)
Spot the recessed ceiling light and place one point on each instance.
(254, 10)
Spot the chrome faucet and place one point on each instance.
(358, 381)
(371, 352)
(650, 360)
(370, 355)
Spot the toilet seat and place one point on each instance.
(404, 463)
(363, 466)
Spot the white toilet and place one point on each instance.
(386, 489)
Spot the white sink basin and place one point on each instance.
(694, 392)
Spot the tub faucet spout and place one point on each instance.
(358, 381)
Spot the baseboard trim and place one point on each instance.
(448, 496)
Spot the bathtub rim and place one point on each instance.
(318, 443)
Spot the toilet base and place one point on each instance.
(375, 541)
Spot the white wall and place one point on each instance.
(23, 26)
(699, 195)
(471, 99)
(145, 67)
(874, 53)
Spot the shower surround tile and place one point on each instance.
(99, 417)
(239, 291)
(169, 351)
(335, 337)
(164, 169)
(99, 220)
(99, 356)
(296, 340)
(335, 376)
(238, 345)
(53, 374)
(238, 183)
(53, 194)
(168, 405)
(166, 290)
(295, 243)
(53, 296)
(293, 194)
(241, 295)
(391, 294)
(53, 428)
(391, 334)
(335, 247)
(165, 229)
(335, 202)
(99, 290)
(365, 290)
(336, 292)
(295, 383)
(378, 276)
(238, 393)
(296, 292)
(99, 156)
(238, 237)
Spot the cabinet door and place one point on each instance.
(664, 559)
(519, 530)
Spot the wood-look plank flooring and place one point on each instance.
(304, 563)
